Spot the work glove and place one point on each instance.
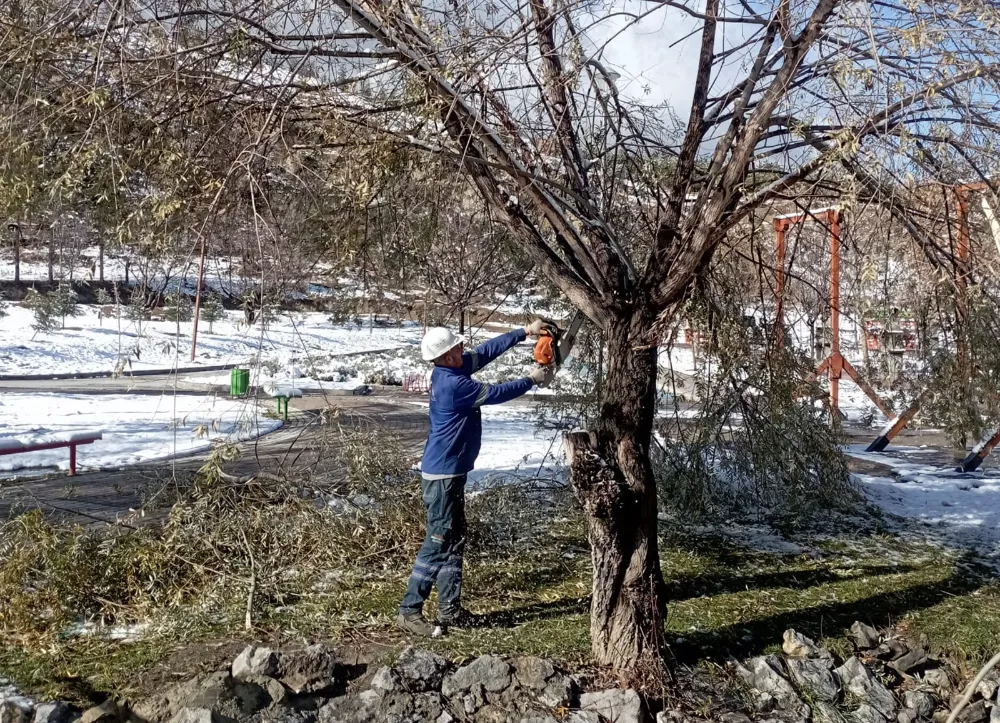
(543, 376)
(534, 328)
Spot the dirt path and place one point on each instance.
(305, 446)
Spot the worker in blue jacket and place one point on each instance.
(450, 454)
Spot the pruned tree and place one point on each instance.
(624, 220)
(611, 203)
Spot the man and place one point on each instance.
(450, 454)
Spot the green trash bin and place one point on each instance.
(239, 382)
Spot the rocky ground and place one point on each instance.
(888, 678)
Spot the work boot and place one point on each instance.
(416, 624)
(459, 617)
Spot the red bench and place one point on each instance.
(15, 445)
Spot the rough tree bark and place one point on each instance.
(613, 479)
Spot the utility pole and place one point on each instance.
(15, 230)
(197, 298)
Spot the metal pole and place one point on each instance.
(197, 299)
(836, 364)
(16, 230)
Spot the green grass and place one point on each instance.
(723, 601)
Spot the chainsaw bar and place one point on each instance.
(564, 339)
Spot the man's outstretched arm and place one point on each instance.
(470, 393)
(486, 352)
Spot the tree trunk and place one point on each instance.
(613, 479)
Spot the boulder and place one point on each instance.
(891, 649)
(533, 673)
(421, 670)
(921, 703)
(734, 717)
(349, 709)
(797, 645)
(583, 716)
(975, 712)
(938, 679)
(826, 713)
(308, 671)
(255, 662)
(615, 706)
(539, 719)
(386, 680)
(865, 637)
(488, 671)
(558, 692)
(814, 676)
(57, 712)
(988, 686)
(409, 708)
(867, 714)
(107, 712)
(859, 681)
(16, 709)
(197, 715)
(217, 692)
(763, 674)
(909, 660)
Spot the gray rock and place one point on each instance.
(349, 709)
(763, 674)
(910, 660)
(421, 670)
(489, 671)
(386, 680)
(796, 645)
(217, 692)
(867, 714)
(281, 714)
(106, 712)
(539, 719)
(583, 716)
(57, 712)
(859, 681)
(995, 714)
(616, 705)
(533, 672)
(307, 671)
(938, 679)
(815, 677)
(732, 718)
(865, 637)
(823, 712)
(445, 717)
(921, 703)
(988, 686)
(558, 691)
(16, 709)
(409, 708)
(197, 715)
(277, 692)
(255, 662)
(975, 712)
(891, 649)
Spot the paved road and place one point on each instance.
(306, 446)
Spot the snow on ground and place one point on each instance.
(136, 428)
(90, 344)
(961, 509)
(514, 448)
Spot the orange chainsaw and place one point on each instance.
(555, 343)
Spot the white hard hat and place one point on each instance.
(437, 341)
